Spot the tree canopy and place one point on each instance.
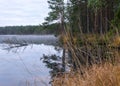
(88, 16)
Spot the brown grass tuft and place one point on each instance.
(97, 75)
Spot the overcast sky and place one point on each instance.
(22, 12)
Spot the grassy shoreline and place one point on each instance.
(92, 47)
(97, 75)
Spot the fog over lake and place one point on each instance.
(29, 39)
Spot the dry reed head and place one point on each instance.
(97, 75)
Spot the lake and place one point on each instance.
(22, 60)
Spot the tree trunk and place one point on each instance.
(101, 24)
(95, 23)
(88, 20)
(106, 19)
(63, 33)
(63, 61)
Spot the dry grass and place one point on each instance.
(97, 75)
(91, 45)
(116, 41)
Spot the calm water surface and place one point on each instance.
(23, 65)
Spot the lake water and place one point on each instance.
(21, 59)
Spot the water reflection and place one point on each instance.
(54, 63)
(23, 65)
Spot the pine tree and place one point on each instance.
(57, 14)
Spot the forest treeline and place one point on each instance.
(30, 29)
(85, 16)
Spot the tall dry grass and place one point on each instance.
(97, 75)
(95, 60)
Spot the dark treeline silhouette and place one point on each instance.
(26, 30)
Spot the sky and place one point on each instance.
(23, 12)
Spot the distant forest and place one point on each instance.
(27, 30)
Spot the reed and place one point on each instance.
(97, 75)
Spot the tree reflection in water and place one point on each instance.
(54, 63)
